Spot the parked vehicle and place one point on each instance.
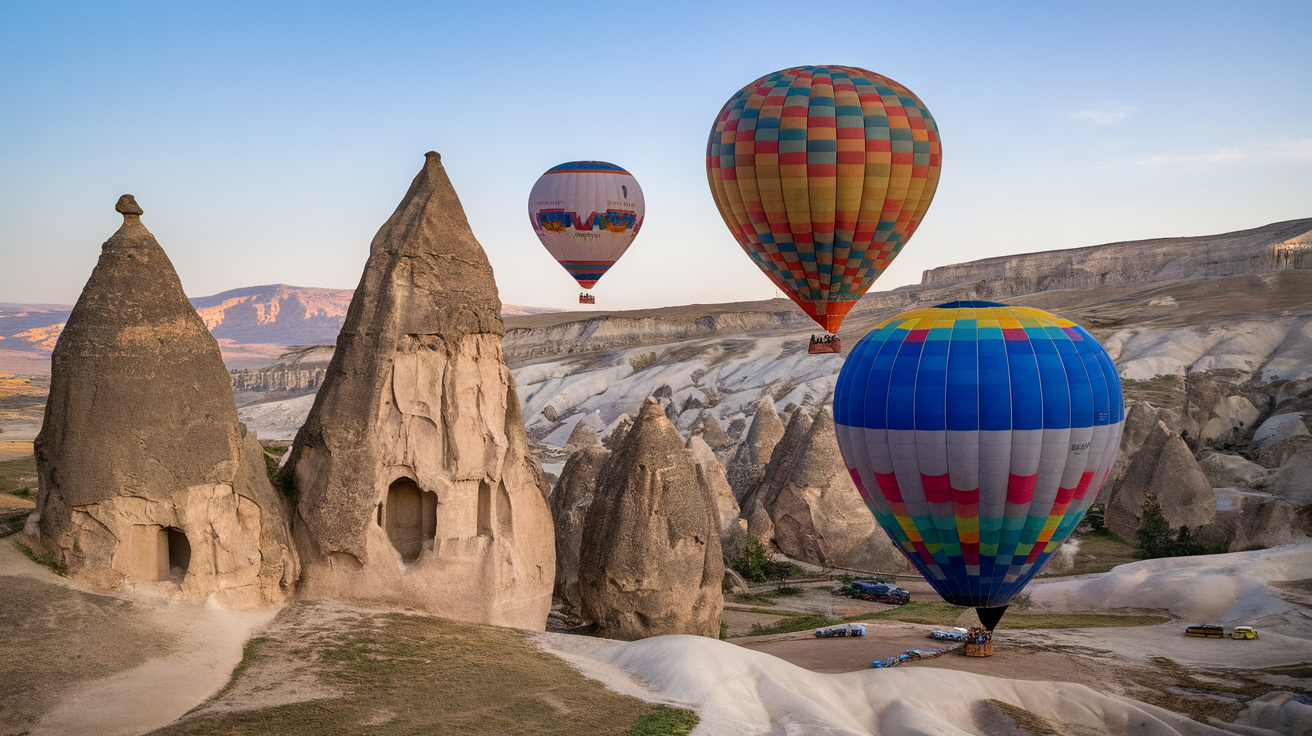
(841, 630)
(877, 592)
(956, 634)
(1244, 632)
(1205, 630)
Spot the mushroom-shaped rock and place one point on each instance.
(819, 516)
(650, 559)
(744, 470)
(416, 486)
(146, 477)
(570, 501)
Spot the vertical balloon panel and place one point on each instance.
(979, 434)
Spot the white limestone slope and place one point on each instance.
(741, 692)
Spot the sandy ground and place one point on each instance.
(14, 450)
(86, 662)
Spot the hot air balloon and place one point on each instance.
(978, 434)
(822, 174)
(586, 213)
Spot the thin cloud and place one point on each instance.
(1102, 116)
(1228, 154)
(1295, 150)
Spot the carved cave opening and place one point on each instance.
(484, 509)
(410, 517)
(179, 553)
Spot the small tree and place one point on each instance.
(1154, 538)
(1096, 518)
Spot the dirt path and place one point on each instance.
(85, 662)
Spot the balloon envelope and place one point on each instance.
(822, 174)
(978, 434)
(586, 213)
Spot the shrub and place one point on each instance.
(1154, 539)
(755, 565)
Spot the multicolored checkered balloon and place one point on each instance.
(823, 173)
(978, 435)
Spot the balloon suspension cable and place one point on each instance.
(990, 616)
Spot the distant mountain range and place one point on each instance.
(253, 324)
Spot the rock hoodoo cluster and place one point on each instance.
(146, 476)
(749, 460)
(570, 501)
(415, 482)
(650, 560)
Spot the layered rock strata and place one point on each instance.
(650, 561)
(146, 478)
(415, 482)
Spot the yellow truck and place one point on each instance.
(1244, 632)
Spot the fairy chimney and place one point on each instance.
(649, 560)
(146, 478)
(415, 483)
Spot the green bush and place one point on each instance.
(1154, 539)
(754, 564)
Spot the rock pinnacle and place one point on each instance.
(127, 205)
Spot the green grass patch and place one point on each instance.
(789, 625)
(1100, 551)
(934, 613)
(1077, 620)
(248, 654)
(18, 474)
(767, 611)
(49, 561)
(751, 599)
(788, 590)
(665, 721)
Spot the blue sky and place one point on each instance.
(268, 143)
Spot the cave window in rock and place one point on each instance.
(484, 509)
(410, 518)
(179, 554)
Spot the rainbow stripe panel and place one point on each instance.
(978, 435)
(586, 213)
(823, 173)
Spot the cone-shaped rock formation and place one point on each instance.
(744, 470)
(570, 501)
(414, 478)
(713, 475)
(712, 433)
(818, 514)
(146, 477)
(582, 436)
(1163, 465)
(755, 507)
(650, 559)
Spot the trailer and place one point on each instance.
(1207, 631)
(841, 630)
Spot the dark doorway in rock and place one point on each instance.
(484, 509)
(410, 518)
(179, 554)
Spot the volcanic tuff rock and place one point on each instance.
(570, 501)
(712, 433)
(818, 514)
(414, 478)
(1140, 419)
(744, 470)
(712, 473)
(1163, 466)
(650, 559)
(1275, 247)
(145, 475)
(756, 506)
(583, 436)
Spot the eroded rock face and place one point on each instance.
(1224, 470)
(1164, 466)
(146, 477)
(818, 514)
(650, 559)
(756, 506)
(712, 433)
(744, 470)
(570, 501)
(581, 437)
(712, 473)
(1140, 419)
(415, 482)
